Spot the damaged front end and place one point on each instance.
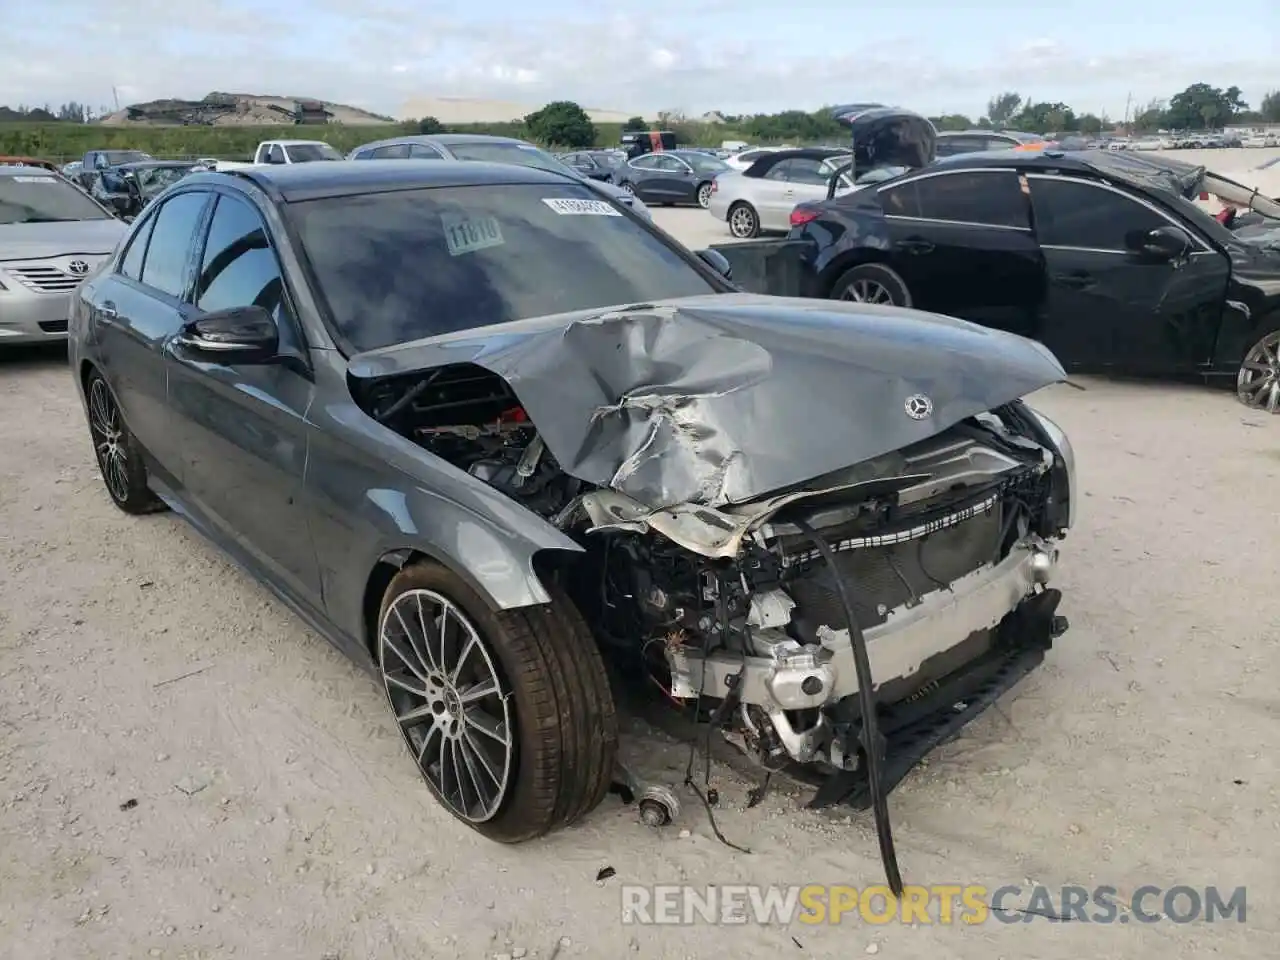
(743, 485)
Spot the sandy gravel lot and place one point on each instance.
(277, 816)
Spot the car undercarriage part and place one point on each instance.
(820, 624)
(656, 804)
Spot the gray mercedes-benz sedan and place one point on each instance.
(52, 235)
(484, 428)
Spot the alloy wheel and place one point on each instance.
(1258, 382)
(704, 196)
(742, 222)
(867, 291)
(450, 702)
(107, 430)
(628, 188)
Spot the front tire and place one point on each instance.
(119, 456)
(744, 222)
(872, 283)
(628, 187)
(1258, 381)
(508, 714)
(704, 195)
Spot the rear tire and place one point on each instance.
(744, 222)
(872, 283)
(628, 186)
(550, 694)
(704, 195)
(124, 473)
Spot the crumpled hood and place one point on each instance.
(721, 399)
(32, 241)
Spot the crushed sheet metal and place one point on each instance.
(721, 399)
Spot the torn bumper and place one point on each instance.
(910, 636)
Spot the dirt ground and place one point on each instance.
(277, 815)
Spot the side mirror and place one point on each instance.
(235, 335)
(1163, 244)
(717, 262)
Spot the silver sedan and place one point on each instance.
(52, 235)
(762, 197)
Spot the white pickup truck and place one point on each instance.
(294, 151)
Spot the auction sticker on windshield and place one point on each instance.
(588, 208)
(33, 180)
(467, 234)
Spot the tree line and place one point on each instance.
(67, 131)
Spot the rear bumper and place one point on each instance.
(33, 317)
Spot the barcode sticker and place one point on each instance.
(33, 180)
(582, 208)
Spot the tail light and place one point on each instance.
(715, 185)
(801, 216)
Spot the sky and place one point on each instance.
(737, 56)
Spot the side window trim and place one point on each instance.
(142, 233)
(1008, 171)
(1141, 201)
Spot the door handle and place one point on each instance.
(1076, 281)
(915, 245)
(107, 310)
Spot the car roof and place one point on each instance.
(144, 164)
(311, 181)
(1011, 134)
(763, 164)
(8, 170)
(1146, 170)
(444, 140)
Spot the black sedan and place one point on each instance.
(477, 424)
(595, 164)
(1101, 256)
(670, 177)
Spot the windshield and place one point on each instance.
(154, 179)
(35, 199)
(395, 267)
(521, 154)
(309, 152)
(117, 157)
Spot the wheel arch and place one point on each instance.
(548, 565)
(846, 261)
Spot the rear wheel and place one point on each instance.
(508, 714)
(704, 195)
(119, 457)
(1258, 382)
(628, 187)
(744, 222)
(872, 283)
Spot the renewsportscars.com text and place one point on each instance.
(943, 904)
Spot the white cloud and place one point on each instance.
(387, 52)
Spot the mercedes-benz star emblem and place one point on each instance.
(919, 406)
(78, 268)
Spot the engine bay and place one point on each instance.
(737, 605)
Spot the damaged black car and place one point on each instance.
(489, 432)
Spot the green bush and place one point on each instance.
(62, 142)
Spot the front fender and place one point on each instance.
(374, 493)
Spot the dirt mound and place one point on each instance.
(241, 110)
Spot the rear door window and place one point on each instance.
(807, 170)
(169, 250)
(985, 197)
(419, 152)
(394, 151)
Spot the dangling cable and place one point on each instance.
(867, 703)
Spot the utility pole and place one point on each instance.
(1127, 101)
(116, 96)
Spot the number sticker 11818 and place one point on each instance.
(464, 234)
